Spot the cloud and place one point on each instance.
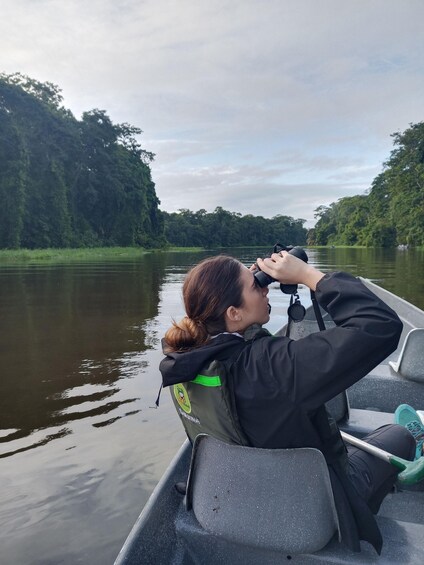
(235, 95)
(264, 189)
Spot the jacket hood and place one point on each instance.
(179, 367)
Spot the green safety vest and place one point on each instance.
(206, 405)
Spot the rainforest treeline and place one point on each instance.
(83, 183)
(66, 182)
(222, 229)
(392, 211)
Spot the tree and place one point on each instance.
(222, 228)
(34, 181)
(68, 182)
(393, 210)
(325, 227)
(13, 163)
(405, 173)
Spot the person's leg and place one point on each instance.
(373, 478)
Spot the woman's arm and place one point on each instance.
(316, 368)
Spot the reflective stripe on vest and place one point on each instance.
(205, 380)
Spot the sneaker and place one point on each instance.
(406, 416)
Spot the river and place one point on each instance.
(81, 442)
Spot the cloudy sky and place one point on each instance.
(259, 106)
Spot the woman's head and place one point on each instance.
(219, 295)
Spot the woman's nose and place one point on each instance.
(266, 290)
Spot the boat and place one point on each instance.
(222, 504)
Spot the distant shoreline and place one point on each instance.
(8, 256)
(13, 256)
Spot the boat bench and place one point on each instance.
(233, 514)
(399, 380)
(356, 421)
(403, 543)
(363, 422)
(410, 364)
(257, 500)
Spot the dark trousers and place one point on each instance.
(373, 478)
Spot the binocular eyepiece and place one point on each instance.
(263, 279)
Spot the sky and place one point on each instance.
(263, 107)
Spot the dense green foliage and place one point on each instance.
(393, 210)
(222, 228)
(70, 183)
(83, 183)
(86, 183)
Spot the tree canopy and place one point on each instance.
(73, 183)
(222, 228)
(392, 212)
(66, 182)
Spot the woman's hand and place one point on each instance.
(288, 269)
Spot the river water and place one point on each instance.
(81, 443)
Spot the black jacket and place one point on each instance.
(280, 385)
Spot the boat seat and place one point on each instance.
(355, 421)
(339, 407)
(411, 359)
(290, 509)
(362, 422)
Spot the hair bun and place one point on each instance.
(187, 333)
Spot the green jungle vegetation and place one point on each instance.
(221, 228)
(81, 254)
(391, 212)
(66, 254)
(68, 183)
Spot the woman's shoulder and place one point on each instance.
(260, 354)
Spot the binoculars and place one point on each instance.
(263, 279)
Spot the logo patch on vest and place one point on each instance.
(183, 400)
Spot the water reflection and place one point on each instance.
(68, 335)
(401, 272)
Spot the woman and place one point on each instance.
(233, 380)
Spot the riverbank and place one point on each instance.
(17, 256)
(80, 254)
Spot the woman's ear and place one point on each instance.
(232, 314)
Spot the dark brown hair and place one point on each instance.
(209, 289)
